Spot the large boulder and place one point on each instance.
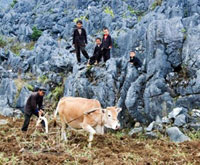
(23, 96)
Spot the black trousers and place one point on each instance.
(95, 57)
(106, 54)
(27, 118)
(80, 48)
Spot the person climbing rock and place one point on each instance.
(33, 107)
(80, 41)
(106, 44)
(96, 58)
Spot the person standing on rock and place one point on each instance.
(33, 107)
(95, 59)
(106, 44)
(134, 60)
(80, 41)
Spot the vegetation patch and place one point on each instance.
(155, 4)
(13, 3)
(36, 33)
(3, 42)
(109, 11)
(43, 79)
(86, 18)
(135, 12)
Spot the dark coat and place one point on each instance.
(80, 39)
(97, 50)
(96, 55)
(136, 62)
(106, 43)
(34, 102)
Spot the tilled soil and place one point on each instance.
(35, 147)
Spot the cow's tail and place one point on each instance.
(55, 114)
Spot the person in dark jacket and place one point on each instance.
(96, 58)
(80, 40)
(134, 60)
(106, 44)
(33, 107)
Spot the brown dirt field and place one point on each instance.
(36, 148)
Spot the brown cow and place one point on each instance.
(86, 114)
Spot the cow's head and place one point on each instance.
(110, 117)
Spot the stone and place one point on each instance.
(176, 135)
(176, 111)
(151, 135)
(195, 113)
(3, 122)
(195, 126)
(135, 131)
(137, 124)
(6, 111)
(180, 120)
(150, 127)
(165, 120)
(23, 96)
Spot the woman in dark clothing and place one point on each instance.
(106, 45)
(80, 41)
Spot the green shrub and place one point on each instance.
(183, 30)
(56, 94)
(131, 10)
(81, 18)
(43, 79)
(109, 11)
(3, 43)
(156, 3)
(115, 45)
(30, 87)
(13, 3)
(36, 34)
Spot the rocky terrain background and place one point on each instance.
(36, 43)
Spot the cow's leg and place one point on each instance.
(91, 130)
(63, 131)
(100, 129)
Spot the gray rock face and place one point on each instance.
(176, 135)
(166, 40)
(195, 126)
(23, 96)
(8, 91)
(176, 111)
(4, 4)
(196, 113)
(180, 120)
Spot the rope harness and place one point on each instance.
(85, 113)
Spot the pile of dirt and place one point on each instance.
(35, 147)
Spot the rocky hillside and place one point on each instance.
(36, 43)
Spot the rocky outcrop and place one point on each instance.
(164, 33)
